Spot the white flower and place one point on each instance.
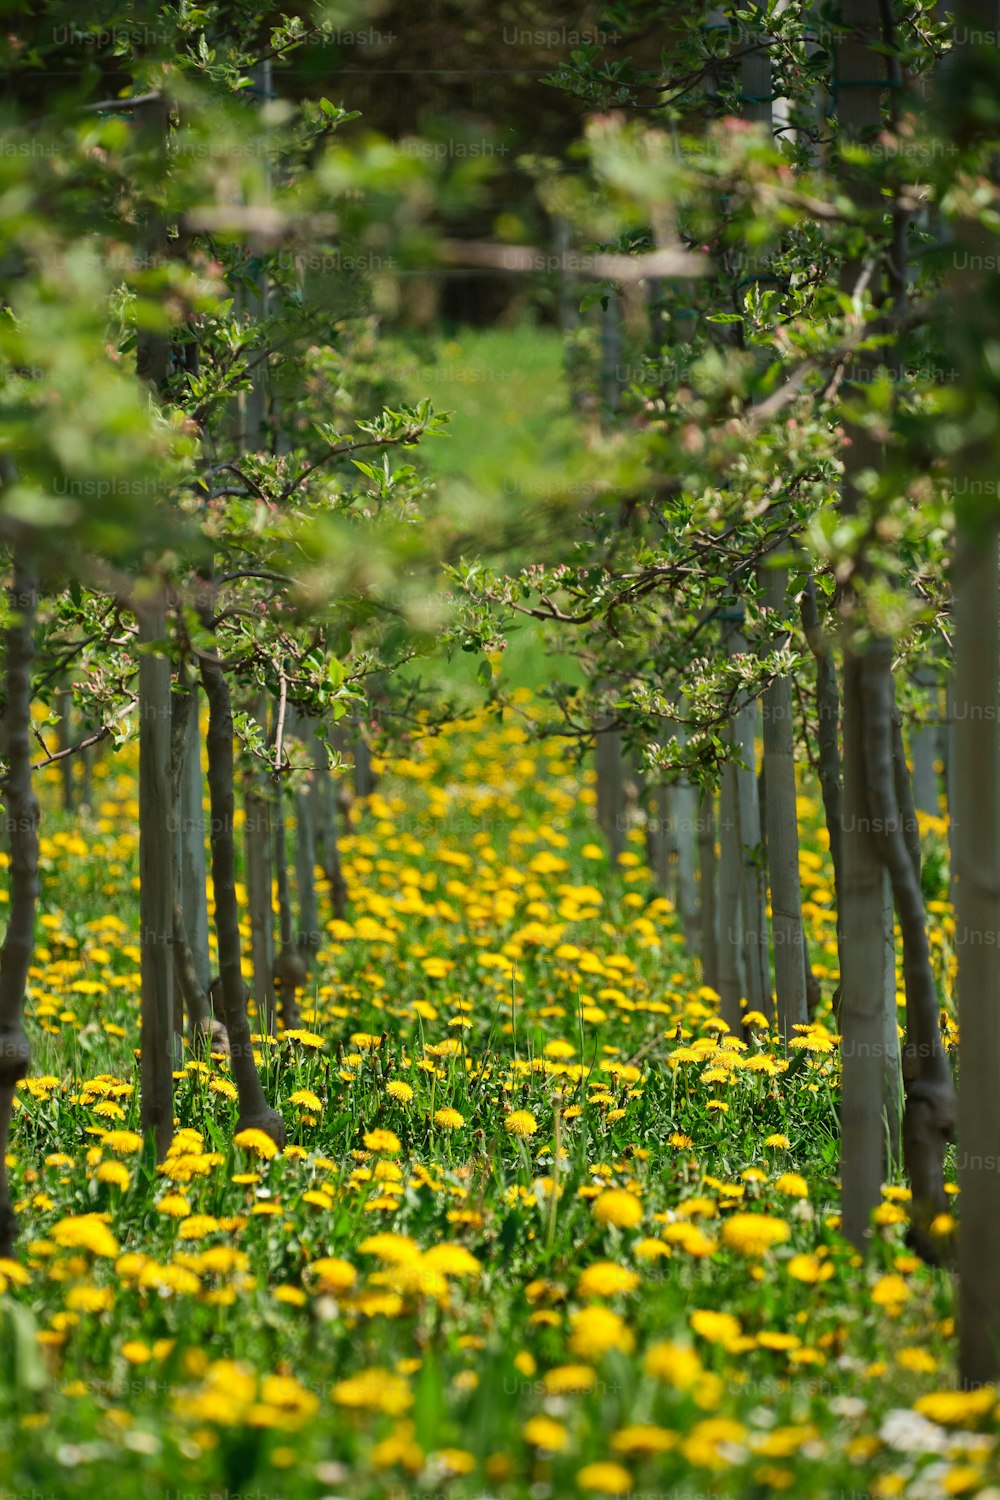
(908, 1432)
(848, 1406)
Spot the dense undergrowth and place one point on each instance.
(542, 1228)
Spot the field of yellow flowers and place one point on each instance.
(543, 1227)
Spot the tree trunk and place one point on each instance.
(156, 879)
(257, 837)
(929, 1112)
(191, 980)
(753, 879)
(865, 914)
(64, 707)
(289, 969)
(191, 849)
(308, 937)
(867, 971)
(731, 972)
(323, 800)
(923, 751)
(254, 1110)
(611, 806)
(783, 834)
(976, 820)
(828, 732)
(22, 829)
(708, 909)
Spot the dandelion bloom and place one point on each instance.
(85, 1232)
(606, 1279)
(677, 1364)
(617, 1207)
(449, 1119)
(792, 1185)
(809, 1268)
(595, 1331)
(257, 1141)
(954, 1408)
(753, 1234)
(545, 1432)
(521, 1123)
(605, 1478)
(306, 1099)
(399, 1090)
(566, 1380)
(333, 1274)
(715, 1327)
(382, 1140)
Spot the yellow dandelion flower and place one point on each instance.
(375, 1390)
(449, 1119)
(520, 1123)
(617, 1207)
(257, 1141)
(385, 1141)
(115, 1173)
(87, 1298)
(568, 1380)
(715, 1327)
(955, 1408)
(544, 1432)
(332, 1274)
(792, 1185)
(122, 1142)
(779, 1142)
(399, 1091)
(605, 1479)
(85, 1232)
(754, 1234)
(643, 1438)
(606, 1279)
(595, 1331)
(809, 1268)
(306, 1099)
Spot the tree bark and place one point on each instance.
(828, 731)
(156, 879)
(976, 820)
(708, 908)
(22, 829)
(257, 843)
(731, 973)
(254, 1110)
(783, 835)
(929, 1112)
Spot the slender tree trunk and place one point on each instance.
(731, 973)
(783, 835)
(708, 909)
(828, 732)
(865, 914)
(867, 970)
(191, 849)
(976, 820)
(308, 936)
(64, 707)
(289, 969)
(156, 879)
(923, 751)
(257, 841)
(254, 1110)
(611, 804)
(22, 828)
(323, 800)
(753, 878)
(191, 981)
(929, 1113)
